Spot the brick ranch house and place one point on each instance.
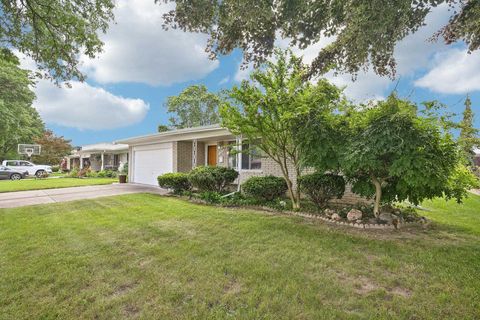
(183, 149)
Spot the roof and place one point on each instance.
(203, 132)
(101, 147)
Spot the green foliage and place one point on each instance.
(55, 168)
(124, 169)
(460, 181)
(468, 138)
(194, 106)
(55, 33)
(210, 197)
(163, 128)
(107, 174)
(266, 188)
(361, 33)
(54, 148)
(396, 154)
(322, 187)
(176, 181)
(215, 179)
(268, 107)
(73, 173)
(19, 121)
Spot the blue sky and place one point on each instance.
(142, 65)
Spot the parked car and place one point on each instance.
(8, 173)
(22, 166)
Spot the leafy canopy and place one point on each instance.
(363, 32)
(54, 148)
(194, 106)
(408, 155)
(19, 121)
(55, 33)
(264, 111)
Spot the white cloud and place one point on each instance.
(85, 107)
(224, 80)
(137, 49)
(454, 72)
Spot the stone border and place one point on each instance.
(373, 226)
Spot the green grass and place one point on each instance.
(36, 184)
(155, 257)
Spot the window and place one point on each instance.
(232, 155)
(12, 163)
(251, 160)
(25, 164)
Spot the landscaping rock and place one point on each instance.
(387, 217)
(354, 214)
(329, 212)
(336, 217)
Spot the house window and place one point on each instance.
(251, 160)
(232, 155)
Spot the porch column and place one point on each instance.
(81, 162)
(239, 153)
(194, 153)
(103, 161)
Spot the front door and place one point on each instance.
(212, 155)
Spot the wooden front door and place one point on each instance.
(212, 155)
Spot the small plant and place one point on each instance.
(91, 174)
(177, 181)
(107, 174)
(322, 187)
(73, 173)
(211, 197)
(265, 188)
(55, 168)
(212, 178)
(124, 169)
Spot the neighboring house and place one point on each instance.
(476, 159)
(183, 149)
(100, 156)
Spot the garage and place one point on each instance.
(151, 161)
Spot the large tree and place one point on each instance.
(264, 112)
(468, 138)
(362, 31)
(194, 106)
(394, 153)
(55, 33)
(54, 148)
(19, 121)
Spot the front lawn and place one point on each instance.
(156, 257)
(36, 184)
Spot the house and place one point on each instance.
(100, 156)
(476, 158)
(183, 149)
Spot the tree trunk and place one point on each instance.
(292, 195)
(378, 196)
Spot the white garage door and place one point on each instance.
(152, 161)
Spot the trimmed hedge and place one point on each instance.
(322, 187)
(266, 188)
(177, 181)
(214, 179)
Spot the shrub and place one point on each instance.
(211, 197)
(266, 188)
(91, 174)
(107, 174)
(177, 181)
(124, 168)
(322, 187)
(212, 178)
(55, 168)
(73, 173)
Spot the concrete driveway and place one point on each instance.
(27, 198)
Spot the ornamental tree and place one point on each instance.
(264, 110)
(395, 154)
(468, 138)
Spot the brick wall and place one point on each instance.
(182, 156)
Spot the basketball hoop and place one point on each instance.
(29, 149)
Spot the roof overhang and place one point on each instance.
(196, 133)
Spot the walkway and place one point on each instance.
(27, 198)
